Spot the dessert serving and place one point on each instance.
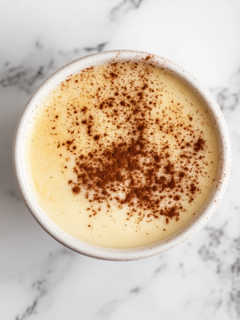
(122, 152)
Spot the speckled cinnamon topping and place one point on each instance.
(131, 160)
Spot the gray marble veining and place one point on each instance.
(39, 278)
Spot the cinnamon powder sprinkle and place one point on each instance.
(135, 171)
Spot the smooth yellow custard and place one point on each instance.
(122, 155)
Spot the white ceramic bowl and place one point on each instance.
(120, 254)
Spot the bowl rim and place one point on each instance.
(108, 253)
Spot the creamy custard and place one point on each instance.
(122, 155)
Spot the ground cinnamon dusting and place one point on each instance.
(136, 171)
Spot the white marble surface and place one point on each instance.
(41, 279)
